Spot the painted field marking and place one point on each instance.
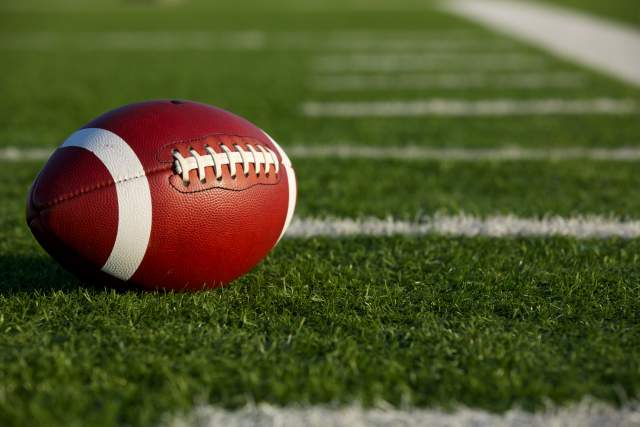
(251, 40)
(605, 45)
(134, 40)
(498, 226)
(577, 415)
(453, 107)
(16, 154)
(408, 153)
(342, 82)
(508, 153)
(418, 44)
(450, 39)
(20, 6)
(426, 61)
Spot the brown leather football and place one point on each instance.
(163, 195)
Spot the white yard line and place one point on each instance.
(134, 40)
(408, 152)
(264, 415)
(499, 226)
(605, 45)
(426, 61)
(428, 43)
(253, 40)
(454, 107)
(368, 40)
(15, 154)
(508, 153)
(456, 81)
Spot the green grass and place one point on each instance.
(432, 321)
(75, 94)
(436, 321)
(409, 189)
(267, 85)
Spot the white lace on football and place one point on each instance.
(255, 156)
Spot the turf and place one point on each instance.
(80, 81)
(409, 189)
(432, 321)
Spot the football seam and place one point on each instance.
(198, 139)
(214, 187)
(99, 186)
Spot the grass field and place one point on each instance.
(417, 322)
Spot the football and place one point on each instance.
(164, 194)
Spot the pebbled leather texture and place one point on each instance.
(204, 235)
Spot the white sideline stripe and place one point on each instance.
(134, 197)
(408, 152)
(413, 152)
(579, 415)
(500, 226)
(453, 107)
(336, 83)
(602, 44)
(425, 61)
